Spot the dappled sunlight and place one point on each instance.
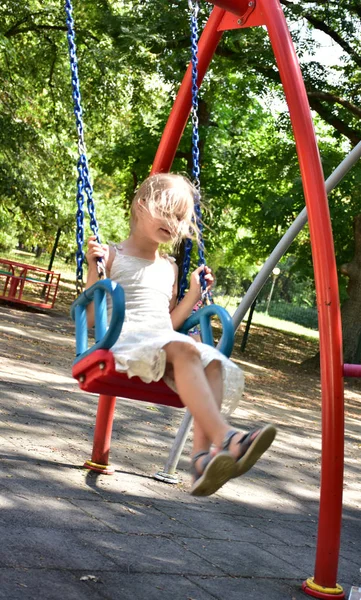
(303, 493)
(33, 335)
(46, 430)
(25, 371)
(260, 497)
(251, 366)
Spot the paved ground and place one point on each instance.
(68, 533)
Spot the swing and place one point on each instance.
(94, 367)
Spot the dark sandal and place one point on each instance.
(216, 471)
(252, 447)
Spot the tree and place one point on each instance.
(132, 57)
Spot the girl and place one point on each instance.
(149, 345)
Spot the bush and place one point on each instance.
(302, 315)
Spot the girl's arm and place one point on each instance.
(96, 251)
(180, 312)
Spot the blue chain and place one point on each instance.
(84, 186)
(194, 10)
(188, 245)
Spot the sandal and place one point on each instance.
(216, 471)
(252, 447)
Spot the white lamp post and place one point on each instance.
(276, 271)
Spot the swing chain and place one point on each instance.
(194, 8)
(206, 296)
(83, 182)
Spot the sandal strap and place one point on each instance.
(246, 440)
(228, 437)
(205, 462)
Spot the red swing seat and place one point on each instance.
(96, 373)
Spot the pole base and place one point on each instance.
(318, 591)
(166, 477)
(105, 469)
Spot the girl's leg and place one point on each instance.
(201, 395)
(201, 392)
(196, 393)
(213, 373)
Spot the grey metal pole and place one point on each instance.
(288, 238)
(168, 475)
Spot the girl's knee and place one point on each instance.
(181, 351)
(215, 366)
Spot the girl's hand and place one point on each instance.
(195, 283)
(96, 251)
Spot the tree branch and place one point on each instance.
(314, 99)
(15, 31)
(337, 123)
(353, 135)
(322, 26)
(336, 100)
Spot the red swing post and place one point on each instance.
(269, 12)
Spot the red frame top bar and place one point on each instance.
(237, 7)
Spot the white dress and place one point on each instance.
(148, 328)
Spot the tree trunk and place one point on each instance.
(351, 308)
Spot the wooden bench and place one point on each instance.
(24, 284)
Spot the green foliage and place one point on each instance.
(8, 229)
(302, 315)
(132, 57)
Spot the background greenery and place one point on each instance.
(132, 57)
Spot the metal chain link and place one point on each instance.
(194, 11)
(84, 186)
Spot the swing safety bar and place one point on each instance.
(105, 337)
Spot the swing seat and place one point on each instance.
(94, 367)
(96, 373)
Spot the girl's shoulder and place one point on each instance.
(113, 248)
(172, 262)
(114, 245)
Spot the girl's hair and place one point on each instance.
(169, 196)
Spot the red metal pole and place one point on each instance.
(323, 585)
(102, 436)
(181, 108)
(329, 528)
(237, 7)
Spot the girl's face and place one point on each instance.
(160, 227)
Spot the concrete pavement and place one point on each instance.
(68, 533)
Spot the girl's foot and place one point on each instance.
(210, 472)
(248, 448)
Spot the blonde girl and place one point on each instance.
(150, 346)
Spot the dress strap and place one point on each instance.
(170, 258)
(116, 247)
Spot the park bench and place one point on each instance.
(24, 284)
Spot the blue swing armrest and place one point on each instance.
(105, 337)
(203, 318)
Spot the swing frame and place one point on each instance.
(233, 14)
(236, 14)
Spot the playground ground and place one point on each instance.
(68, 533)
